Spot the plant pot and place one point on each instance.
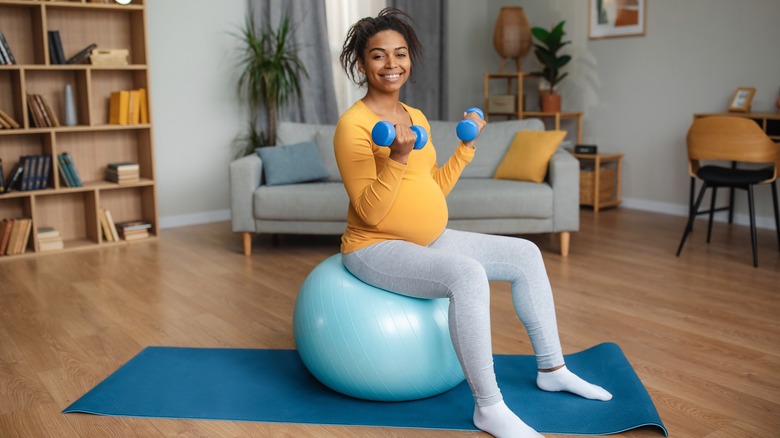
(550, 102)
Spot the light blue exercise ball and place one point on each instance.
(373, 344)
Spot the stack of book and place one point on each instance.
(41, 113)
(48, 239)
(68, 170)
(123, 173)
(14, 236)
(128, 107)
(133, 230)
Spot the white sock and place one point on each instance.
(499, 421)
(564, 380)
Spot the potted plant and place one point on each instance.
(270, 76)
(550, 42)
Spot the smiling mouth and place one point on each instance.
(392, 76)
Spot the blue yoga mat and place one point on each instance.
(274, 386)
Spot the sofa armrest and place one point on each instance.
(564, 178)
(245, 176)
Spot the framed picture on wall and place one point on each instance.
(616, 18)
(740, 102)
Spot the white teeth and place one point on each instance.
(393, 76)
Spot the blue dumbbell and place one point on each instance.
(467, 129)
(383, 134)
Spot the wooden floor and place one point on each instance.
(702, 331)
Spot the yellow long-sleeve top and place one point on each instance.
(389, 200)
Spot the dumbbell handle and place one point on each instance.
(383, 134)
(468, 129)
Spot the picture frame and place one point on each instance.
(616, 18)
(740, 101)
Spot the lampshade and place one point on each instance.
(512, 35)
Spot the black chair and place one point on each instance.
(738, 140)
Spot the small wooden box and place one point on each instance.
(109, 57)
(502, 104)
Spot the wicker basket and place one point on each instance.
(606, 186)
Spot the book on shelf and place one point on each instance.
(7, 121)
(6, 56)
(2, 178)
(6, 225)
(82, 55)
(112, 226)
(68, 170)
(119, 107)
(14, 177)
(133, 230)
(123, 172)
(128, 107)
(51, 116)
(33, 173)
(42, 114)
(56, 54)
(19, 236)
(48, 239)
(143, 106)
(108, 236)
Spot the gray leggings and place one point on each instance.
(458, 266)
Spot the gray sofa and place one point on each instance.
(477, 203)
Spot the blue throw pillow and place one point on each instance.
(290, 164)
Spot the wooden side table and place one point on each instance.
(599, 180)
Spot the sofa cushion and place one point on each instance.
(325, 145)
(291, 164)
(320, 201)
(529, 155)
(492, 144)
(322, 135)
(484, 198)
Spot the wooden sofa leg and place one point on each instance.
(565, 237)
(247, 237)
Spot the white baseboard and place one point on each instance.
(205, 217)
(767, 222)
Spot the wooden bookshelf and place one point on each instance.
(92, 142)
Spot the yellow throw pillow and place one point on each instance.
(529, 155)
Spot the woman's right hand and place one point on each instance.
(403, 144)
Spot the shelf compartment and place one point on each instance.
(71, 213)
(50, 84)
(92, 151)
(20, 23)
(105, 82)
(109, 28)
(12, 147)
(129, 204)
(10, 95)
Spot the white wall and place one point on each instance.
(195, 113)
(638, 93)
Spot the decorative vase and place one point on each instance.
(550, 101)
(512, 35)
(70, 107)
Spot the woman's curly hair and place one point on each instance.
(363, 30)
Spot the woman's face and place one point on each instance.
(386, 61)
